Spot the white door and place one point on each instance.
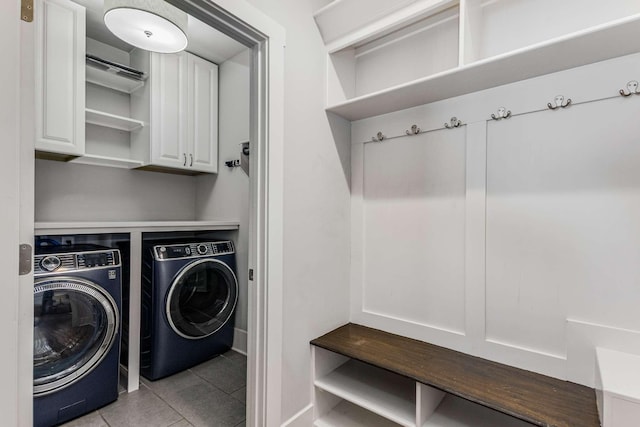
(203, 114)
(16, 215)
(168, 107)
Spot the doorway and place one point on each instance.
(265, 38)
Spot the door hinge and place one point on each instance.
(26, 256)
(26, 11)
(251, 274)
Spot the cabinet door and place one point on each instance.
(60, 75)
(168, 118)
(203, 115)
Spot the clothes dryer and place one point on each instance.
(189, 295)
(77, 294)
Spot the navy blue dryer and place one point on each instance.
(189, 297)
(76, 342)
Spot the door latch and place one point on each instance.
(25, 258)
(26, 10)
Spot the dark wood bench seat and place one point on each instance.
(531, 397)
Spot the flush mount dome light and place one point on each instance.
(152, 25)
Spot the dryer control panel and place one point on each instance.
(192, 250)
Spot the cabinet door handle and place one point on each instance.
(191, 159)
(185, 159)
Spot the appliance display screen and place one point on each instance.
(92, 260)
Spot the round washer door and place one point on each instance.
(201, 298)
(75, 326)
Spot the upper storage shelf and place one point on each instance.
(424, 51)
(113, 76)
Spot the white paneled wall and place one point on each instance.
(414, 191)
(515, 240)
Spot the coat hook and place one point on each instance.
(455, 123)
(503, 113)
(560, 103)
(379, 137)
(415, 130)
(632, 87)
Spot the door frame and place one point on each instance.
(266, 38)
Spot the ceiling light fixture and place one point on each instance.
(152, 25)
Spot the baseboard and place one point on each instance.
(304, 418)
(240, 341)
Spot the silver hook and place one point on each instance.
(560, 103)
(503, 113)
(378, 138)
(415, 130)
(454, 123)
(632, 87)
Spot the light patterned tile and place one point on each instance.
(92, 419)
(141, 408)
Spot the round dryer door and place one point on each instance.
(202, 298)
(75, 325)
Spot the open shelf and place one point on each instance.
(428, 51)
(346, 414)
(457, 412)
(113, 121)
(543, 58)
(112, 80)
(114, 162)
(384, 393)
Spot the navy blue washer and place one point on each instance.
(77, 297)
(189, 295)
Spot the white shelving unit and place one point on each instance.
(112, 121)
(388, 395)
(353, 394)
(405, 55)
(112, 80)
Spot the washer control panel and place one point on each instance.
(74, 261)
(193, 250)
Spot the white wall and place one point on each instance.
(316, 202)
(514, 240)
(74, 192)
(226, 194)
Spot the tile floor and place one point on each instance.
(211, 394)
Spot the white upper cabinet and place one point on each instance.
(202, 114)
(388, 56)
(168, 107)
(60, 77)
(181, 106)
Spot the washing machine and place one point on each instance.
(76, 301)
(189, 295)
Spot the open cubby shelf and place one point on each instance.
(378, 371)
(101, 118)
(426, 51)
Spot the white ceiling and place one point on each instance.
(204, 40)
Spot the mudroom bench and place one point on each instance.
(367, 377)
